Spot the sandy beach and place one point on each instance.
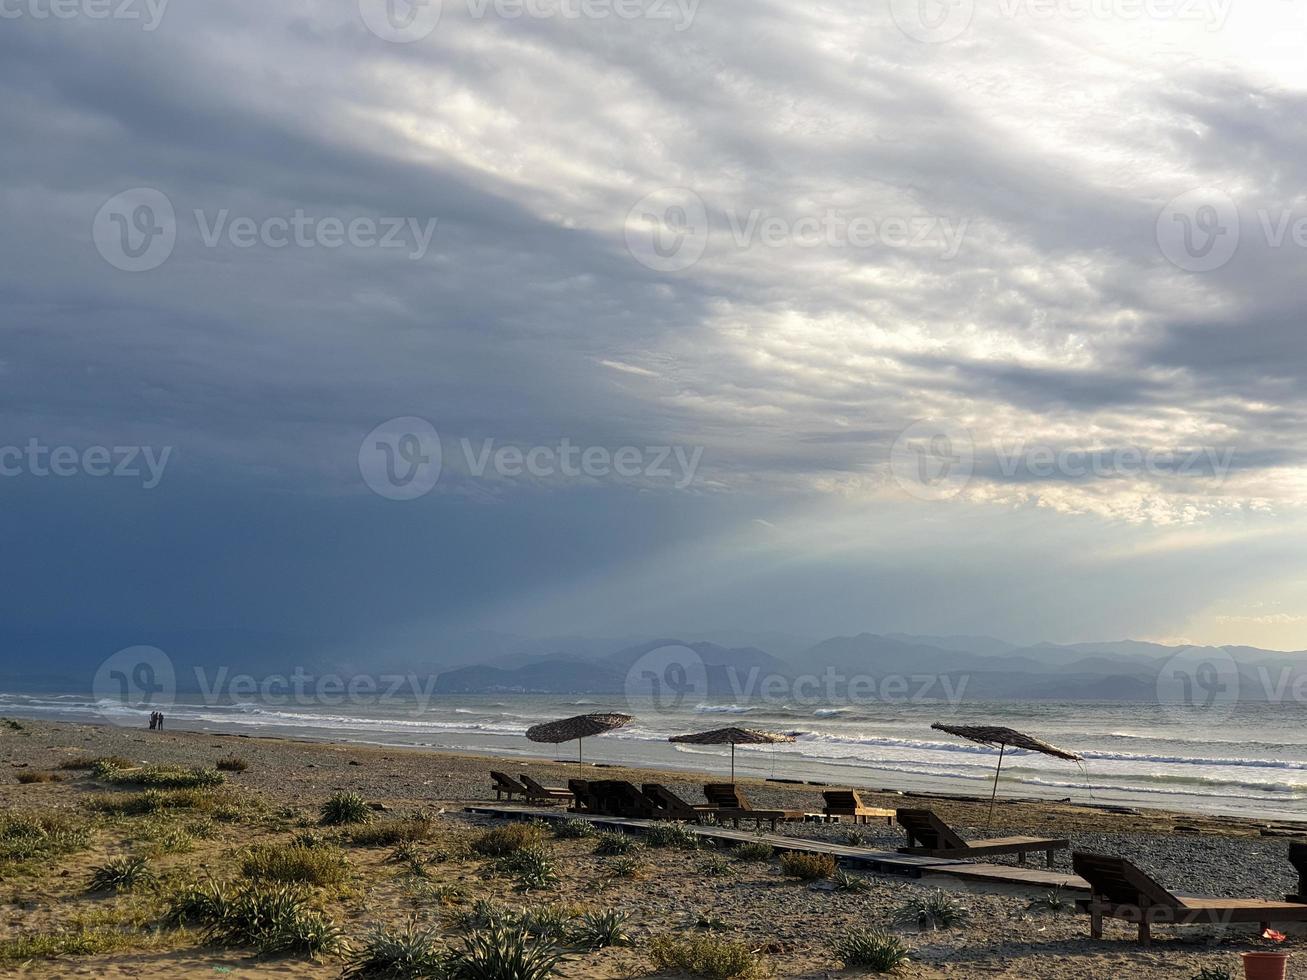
(792, 926)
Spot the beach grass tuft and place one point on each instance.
(531, 867)
(291, 864)
(807, 867)
(388, 833)
(499, 841)
(503, 952)
(345, 808)
(666, 833)
(706, 956)
(934, 910)
(66, 942)
(552, 922)
(231, 763)
(753, 851)
(574, 829)
(154, 801)
(158, 777)
(613, 843)
(599, 930)
(845, 882)
(120, 875)
(27, 778)
(410, 952)
(30, 836)
(271, 919)
(872, 949)
(92, 762)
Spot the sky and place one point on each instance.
(372, 320)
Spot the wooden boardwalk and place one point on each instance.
(884, 862)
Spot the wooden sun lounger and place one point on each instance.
(669, 806)
(506, 786)
(1298, 858)
(536, 792)
(729, 803)
(930, 836)
(583, 800)
(847, 803)
(1119, 890)
(618, 798)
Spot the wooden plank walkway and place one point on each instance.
(885, 862)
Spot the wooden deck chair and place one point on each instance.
(619, 798)
(731, 804)
(506, 786)
(930, 836)
(1298, 858)
(669, 806)
(536, 792)
(1119, 890)
(847, 803)
(583, 798)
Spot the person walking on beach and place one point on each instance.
(160, 714)
(154, 720)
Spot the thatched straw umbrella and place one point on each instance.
(578, 728)
(1003, 738)
(732, 737)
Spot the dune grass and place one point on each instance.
(27, 778)
(39, 836)
(389, 833)
(706, 956)
(500, 841)
(320, 866)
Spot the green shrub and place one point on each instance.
(551, 922)
(391, 832)
(482, 915)
(507, 839)
(154, 801)
(273, 919)
(111, 761)
(289, 864)
(845, 882)
(854, 838)
(667, 834)
(613, 842)
(574, 829)
(717, 866)
(197, 905)
(706, 956)
(807, 867)
(159, 777)
(532, 867)
(410, 952)
(936, 910)
(871, 949)
(1051, 903)
(120, 875)
(49, 945)
(625, 867)
(597, 930)
(345, 808)
(232, 763)
(504, 953)
(29, 836)
(753, 851)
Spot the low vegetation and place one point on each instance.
(531, 867)
(319, 866)
(807, 867)
(27, 778)
(345, 808)
(158, 777)
(232, 763)
(267, 918)
(667, 834)
(707, 956)
(574, 829)
(753, 851)
(399, 953)
(613, 842)
(597, 930)
(845, 882)
(95, 762)
(934, 910)
(30, 836)
(388, 833)
(120, 875)
(502, 952)
(512, 837)
(156, 801)
(872, 949)
(66, 942)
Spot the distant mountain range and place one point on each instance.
(735, 665)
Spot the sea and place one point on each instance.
(1244, 759)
